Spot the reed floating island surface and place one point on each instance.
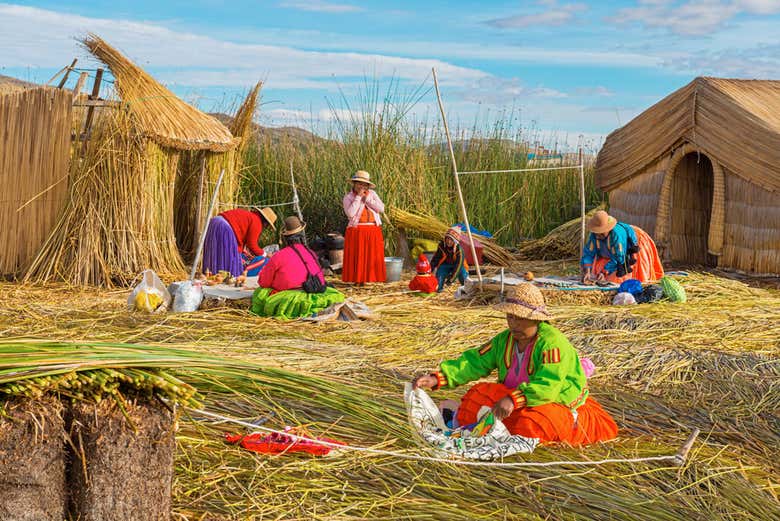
(662, 370)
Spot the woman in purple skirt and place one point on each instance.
(232, 232)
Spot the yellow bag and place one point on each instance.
(421, 246)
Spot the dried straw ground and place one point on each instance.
(663, 369)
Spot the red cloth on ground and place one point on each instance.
(247, 226)
(286, 271)
(277, 443)
(648, 266)
(424, 283)
(364, 255)
(551, 422)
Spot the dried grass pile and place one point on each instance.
(661, 370)
(430, 227)
(562, 242)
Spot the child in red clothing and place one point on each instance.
(424, 282)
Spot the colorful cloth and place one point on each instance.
(424, 283)
(353, 206)
(220, 249)
(364, 255)
(551, 422)
(605, 256)
(286, 271)
(555, 374)
(254, 265)
(247, 227)
(292, 304)
(281, 443)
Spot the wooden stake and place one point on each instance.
(64, 69)
(582, 201)
(80, 84)
(457, 180)
(91, 110)
(67, 73)
(202, 240)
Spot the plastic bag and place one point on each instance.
(270, 250)
(187, 297)
(150, 295)
(623, 299)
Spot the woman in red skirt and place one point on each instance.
(364, 246)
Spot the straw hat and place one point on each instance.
(361, 176)
(453, 233)
(292, 226)
(269, 215)
(601, 222)
(525, 301)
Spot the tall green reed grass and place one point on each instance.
(407, 157)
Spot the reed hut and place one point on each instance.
(35, 131)
(140, 183)
(700, 172)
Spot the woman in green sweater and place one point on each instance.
(542, 389)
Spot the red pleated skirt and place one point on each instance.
(551, 422)
(648, 266)
(364, 255)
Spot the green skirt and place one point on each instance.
(291, 304)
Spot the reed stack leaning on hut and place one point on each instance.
(140, 186)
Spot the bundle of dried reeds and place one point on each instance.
(562, 242)
(118, 220)
(160, 114)
(431, 227)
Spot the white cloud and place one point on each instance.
(43, 38)
(599, 91)
(691, 17)
(762, 61)
(320, 6)
(554, 15)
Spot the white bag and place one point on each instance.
(270, 250)
(187, 297)
(150, 295)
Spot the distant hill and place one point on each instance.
(9, 84)
(278, 134)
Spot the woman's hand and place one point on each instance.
(587, 278)
(503, 408)
(601, 277)
(426, 381)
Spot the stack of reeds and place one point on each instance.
(562, 242)
(430, 227)
(35, 141)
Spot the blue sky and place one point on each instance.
(566, 67)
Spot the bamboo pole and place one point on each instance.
(457, 180)
(296, 203)
(198, 253)
(582, 201)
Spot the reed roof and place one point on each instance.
(736, 121)
(159, 113)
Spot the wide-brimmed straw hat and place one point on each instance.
(601, 222)
(361, 176)
(292, 226)
(269, 215)
(525, 301)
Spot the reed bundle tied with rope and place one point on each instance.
(562, 242)
(431, 227)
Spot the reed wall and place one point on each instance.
(752, 227)
(35, 128)
(636, 200)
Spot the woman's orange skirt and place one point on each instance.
(551, 422)
(648, 266)
(364, 255)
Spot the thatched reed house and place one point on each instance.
(140, 185)
(700, 172)
(35, 129)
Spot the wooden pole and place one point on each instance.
(80, 84)
(91, 110)
(202, 240)
(457, 180)
(67, 73)
(582, 201)
(66, 68)
(296, 202)
(199, 207)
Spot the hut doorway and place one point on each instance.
(692, 189)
